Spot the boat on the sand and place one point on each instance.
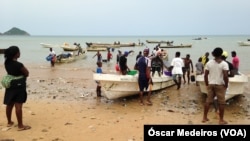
(117, 86)
(236, 85)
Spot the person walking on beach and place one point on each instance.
(176, 65)
(16, 94)
(188, 63)
(216, 80)
(157, 64)
(144, 78)
(53, 57)
(123, 63)
(235, 62)
(99, 56)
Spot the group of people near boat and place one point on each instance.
(216, 72)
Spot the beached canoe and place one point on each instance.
(236, 85)
(117, 86)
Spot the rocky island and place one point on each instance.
(15, 31)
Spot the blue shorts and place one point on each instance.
(143, 84)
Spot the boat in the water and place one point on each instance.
(110, 45)
(244, 43)
(159, 42)
(117, 86)
(46, 45)
(68, 47)
(2, 50)
(236, 85)
(176, 46)
(97, 49)
(67, 57)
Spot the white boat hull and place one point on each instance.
(116, 86)
(246, 43)
(48, 45)
(72, 58)
(236, 85)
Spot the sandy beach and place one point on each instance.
(62, 106)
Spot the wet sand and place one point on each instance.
(62, 106)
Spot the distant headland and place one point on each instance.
(15, 31)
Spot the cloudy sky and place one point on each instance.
(126, 17)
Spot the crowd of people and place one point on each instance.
(216, 72)
(216, 76)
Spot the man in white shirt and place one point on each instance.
(216, 80)
(176, 65)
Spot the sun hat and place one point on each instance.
(225, 54)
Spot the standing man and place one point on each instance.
(188, 65)
(216, 80)
(177, 64)
(99, 56)
(144, 78)
(53, 57)
(235, 62)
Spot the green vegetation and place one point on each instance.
(15, 31)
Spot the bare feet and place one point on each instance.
(26, 127)
(222, 122)
(142, 103)
(205, 120)
(178, 86)
(149, 103)
(10, 124)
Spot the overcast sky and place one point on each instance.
(126, 17)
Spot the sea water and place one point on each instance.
(33, 54)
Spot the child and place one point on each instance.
(98, 87)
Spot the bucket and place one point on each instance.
(168, 73)
(132, 72)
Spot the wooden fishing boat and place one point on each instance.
(67, 57)
(117, 86)
(110, 45)
(159, 42)
(176, 46)
(2, 51)
(236, 85)
(68, 47)
(96, 49)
